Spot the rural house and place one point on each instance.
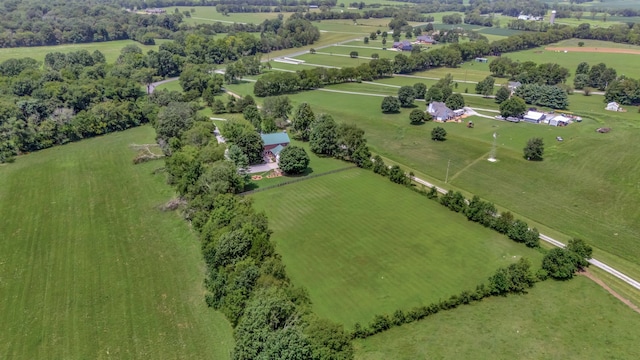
(404, 45)
(613, 106)
(513, 85)
(273, 145)
(425, 39)
(440, 111)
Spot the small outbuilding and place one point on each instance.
(613, 106)
(559, 120)
(481, 60)
(534, 117)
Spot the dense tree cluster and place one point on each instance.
(598, 76)
(74, 96)
(562, 264)
(529, 72)
(624, 90)
(37, 23)
(543, 95)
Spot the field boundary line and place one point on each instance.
(599, 264)
(293, 181)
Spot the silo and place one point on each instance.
(553, 17)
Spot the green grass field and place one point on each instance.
(90, 268)
(378, 246)
(556, 320)
(582, 193)
(110, 49)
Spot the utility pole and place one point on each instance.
(446, 179)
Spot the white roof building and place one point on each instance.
(613, 106)
(534, 116)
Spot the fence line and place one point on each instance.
(298, 180)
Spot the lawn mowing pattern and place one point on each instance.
(576, 319)
(362, 245)
(90, 268)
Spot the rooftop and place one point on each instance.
(275, 138)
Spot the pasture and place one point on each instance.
(110, 49)
(582, 192)
(379, 246)
(555, 320)
(90, 268)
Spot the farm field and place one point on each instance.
(110, 49)
(596, 197)
(90, 268)
(207, 14)
(379, 246)
(576, 319)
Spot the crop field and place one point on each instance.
(378, 246)
(110, 49)
(555, 320)
(90, 268)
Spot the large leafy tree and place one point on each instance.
(438, 134)
(293, 160)
(534, 149)
(560, 263)
(323, 138)
(390, 104)
(485, 87)
(455, 101)
(302, 120)
(174, 119)
(406, 95)
(416, 116)
(251, 144)
(513, 107)
(420, 90)
(502, 94)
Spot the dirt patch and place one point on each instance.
(594, 50)
(626, 301)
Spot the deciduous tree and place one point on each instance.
(293, 160)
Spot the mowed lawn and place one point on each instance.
(576, 319)
(110, 49)
(362, 245)
(91, 269)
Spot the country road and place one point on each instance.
(152, 87)
(599, 264)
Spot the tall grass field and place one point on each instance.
(90, 268)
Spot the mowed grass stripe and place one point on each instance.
(91, 268)
(364, 246)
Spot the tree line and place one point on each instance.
(245, 278)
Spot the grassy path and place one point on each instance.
(90, 268)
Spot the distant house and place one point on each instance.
(513, 85)
(533, 117)
(274, 144)
(559, 120)
(440, 111)
(404, 45)
(523, 17)
(481, 60)
(155, 11)
(425, 39)
(613, 106)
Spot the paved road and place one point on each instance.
(599, 264)
(152, 87)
